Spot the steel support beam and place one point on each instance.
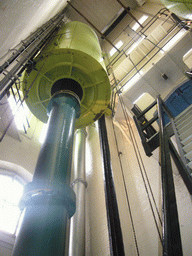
(128, 11)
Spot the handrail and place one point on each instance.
(21, 58)
(171, 231)
(143, 137)
(151, 143)
(24, 56)
(147, 109)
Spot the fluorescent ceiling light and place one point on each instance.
(141, 21)
(135, 44)
(113, 50)
(174, 40)
(131, 82)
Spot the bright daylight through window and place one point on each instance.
(10, 194)
(141, 21)
(132, 81)
(21, 112)
(173, 41)
(113, 50)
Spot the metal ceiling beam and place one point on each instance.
(128, 11)
(115, 23)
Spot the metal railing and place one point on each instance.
(151, 143)
(20, 58)
(175, 28)
(171, 231)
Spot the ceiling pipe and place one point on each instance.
(182, 8)
(79, 184)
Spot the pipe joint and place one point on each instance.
(65, 97)
(36, 194)
(81, 131)
(79, 180)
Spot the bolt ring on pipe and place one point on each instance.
(84, 182)
(67, 92)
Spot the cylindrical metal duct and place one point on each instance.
(74, 54)
(48, 200)
(77, 225)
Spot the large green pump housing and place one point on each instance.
(75, 54)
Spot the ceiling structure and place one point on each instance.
(143, 57)
(139, 60)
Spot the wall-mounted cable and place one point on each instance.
(143, 171)
(126, 192)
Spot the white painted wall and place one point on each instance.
(23, 153)
(146, 233)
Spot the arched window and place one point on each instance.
(12, 181)
(11, 190)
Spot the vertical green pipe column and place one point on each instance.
(48, 200)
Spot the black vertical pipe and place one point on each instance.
(115, 234)
(171, 232)
(172, 229)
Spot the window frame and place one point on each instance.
(24, 177)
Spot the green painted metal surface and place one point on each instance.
(49, 200)
(54, 162)
(74, 53)
(182, 8)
